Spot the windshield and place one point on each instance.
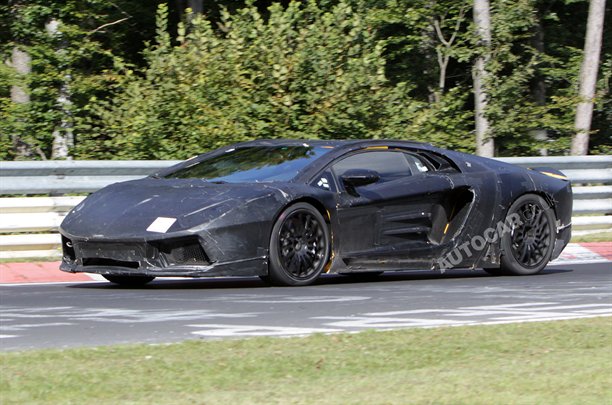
(252, 164)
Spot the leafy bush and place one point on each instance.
(302, 72)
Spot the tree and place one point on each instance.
(427, 46)
(63, 137)
(485, 145)
(301, 72)
(445, 48)
(73, 48)
(21, 62)
(238, 70)
(588, 77)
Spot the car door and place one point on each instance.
(408, 216)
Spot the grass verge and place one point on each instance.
(31, 259)
(593, 237)
(562, 362)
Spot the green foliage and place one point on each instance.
(301, 73)
(75, 60)
(601, 139)
(512, 111)
(7, 111)
(312, 69)
(413, 50)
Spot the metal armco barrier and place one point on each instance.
(72, 176)
(28, 225)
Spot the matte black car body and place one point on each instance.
(225, 229)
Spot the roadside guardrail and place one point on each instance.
(29, 221)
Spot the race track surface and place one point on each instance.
(99, 313)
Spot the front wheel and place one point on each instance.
(299, 246)
(129, 281)
(527, 248)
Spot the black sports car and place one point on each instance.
(288, 211)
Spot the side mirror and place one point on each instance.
(358, 177)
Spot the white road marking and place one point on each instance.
(567, 262)
(25, 326)
(478, 314)
(8, 336)
(596, 311)
(47, 283)
(223, 330)
(577, 307)
(290, 299)
(563, 318)
(418, 318)
(386, 323)
(117, 315)
(524, 304)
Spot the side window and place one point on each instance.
(417, 163)
(390, 165)
(437, 162)
(325, 181)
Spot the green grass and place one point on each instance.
(563, 362)
(593, 237)
(31, 259)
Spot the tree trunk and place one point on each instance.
(63, 137)
(22, 63)
(588, 77)
(539, 86)
(482, 18)
(443, 51)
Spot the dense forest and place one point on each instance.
(134, 79)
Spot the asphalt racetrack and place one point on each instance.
(95, 313)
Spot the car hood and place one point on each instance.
(127, 210)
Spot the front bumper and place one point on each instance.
(182, 257)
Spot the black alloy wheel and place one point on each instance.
(527, 248)
(299, 246)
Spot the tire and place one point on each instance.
(527, 248)
(299, 246)
(129, 281)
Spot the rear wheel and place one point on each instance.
(527, 248)
(129, 281)
(299, 246)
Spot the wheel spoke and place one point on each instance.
(523, 248)
(531, 241)
(302, 244)
(530, 255)
(294, 265)
(308, 261)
